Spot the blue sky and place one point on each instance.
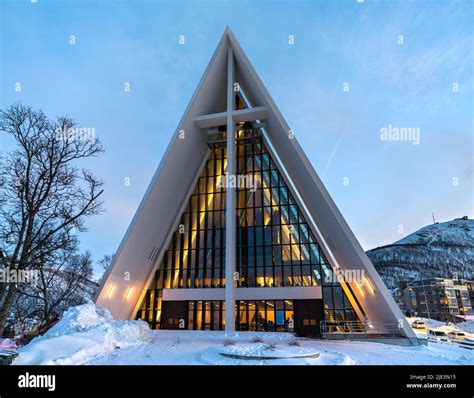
(404, 85)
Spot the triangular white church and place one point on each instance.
(236, 199)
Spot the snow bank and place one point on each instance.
(83, 332)
(263, 351)
(282, 355)
(467, 326)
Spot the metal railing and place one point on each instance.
(7, 357)
(360, 329)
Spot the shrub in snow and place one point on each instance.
(294, 343)
(256, 339)
(228, 342)
(271, 346)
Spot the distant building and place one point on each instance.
(399, 297)
(470, 288)
(438, 298)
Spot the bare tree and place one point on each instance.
(44, 196)
(105, 263)
(61, 284)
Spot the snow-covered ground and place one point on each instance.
(87, 335)
(467, 326)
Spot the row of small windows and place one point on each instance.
(246, 183)
(247, 256)
(250, 164)
(245, 277)
(267, 200)
(248, 216)
(252, 315)
(270, 221)
(263, 315)
(246, 236)
(244, 151)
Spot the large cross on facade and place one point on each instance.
(230, 118)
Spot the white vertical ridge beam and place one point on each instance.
(230, 203)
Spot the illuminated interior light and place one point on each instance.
(111, 291)
(129, 292)
(201, 220)
(369, 285)
(360, 289)
(269, 281)
(266, 217)
(284, 225)
(350, 295)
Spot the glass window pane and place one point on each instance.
(278, 276)
(287, 276)
(339, 315)
(338, 303)
(347, 303)
(351, 315)
(327, 298)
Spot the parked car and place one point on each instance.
(418, 324)
(437, 336)
(8, 344)
(468, 342)
(456, 335)
(7, 356)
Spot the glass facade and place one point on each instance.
(275, 247)
(260, 315)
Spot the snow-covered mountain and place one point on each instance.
(437, 250)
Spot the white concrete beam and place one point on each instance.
(212, 120)
(241, 115)
(250, 114)
(230, 203)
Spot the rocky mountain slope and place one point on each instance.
(437, 250)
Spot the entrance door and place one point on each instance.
(308, 314)
(175, 315)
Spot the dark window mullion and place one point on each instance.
(181, 281)
(204, 226)
(189, 280)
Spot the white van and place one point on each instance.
(437, 336)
